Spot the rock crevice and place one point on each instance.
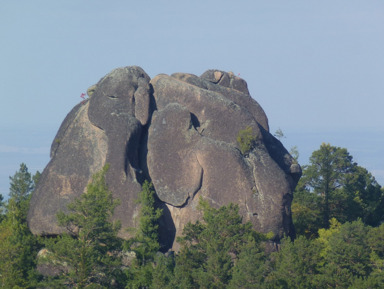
(180, 132)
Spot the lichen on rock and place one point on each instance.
(180, 132)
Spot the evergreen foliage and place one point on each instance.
(347, 256)
(18, 247)
(211, 249)
(294, 152)
(21, 184)
(338, 212)
(341, 257)
(279, 134)
(87, 255)
(249, 270)
(246, 140)
(333, 186)
(326, 173)
(21, 187)
(145, 243)
(163, 272)
(295, 265)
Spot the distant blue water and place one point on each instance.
(31, 146)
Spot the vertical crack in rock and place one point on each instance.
(180, 133)
(201, 178)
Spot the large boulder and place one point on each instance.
(193, 152)
(107, 129)
(180, 132)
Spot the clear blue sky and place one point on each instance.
(316, 67)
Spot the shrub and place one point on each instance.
(246, 140)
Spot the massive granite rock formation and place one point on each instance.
(180, 132)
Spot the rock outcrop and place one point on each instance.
(180, 132)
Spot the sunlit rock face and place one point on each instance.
(106, 129)
(180, 132)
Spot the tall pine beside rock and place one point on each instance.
(145, 243)
(18, 247)
(87, 254)
(213, 252)
(334, 186)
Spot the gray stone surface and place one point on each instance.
(260, 183)
(79, 150)
(103, 130)
(173, 166)
(180, 132)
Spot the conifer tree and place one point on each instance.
(163, 272)
(145, 243)
(18, 247)
(21, 187)
(333, 186)
(249, 270)
(87, 253)
(294, 266)
(210, 249)
(246, 140)
(346, 256)
(326, 173)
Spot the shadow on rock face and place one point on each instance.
(167, 229)
(105, 130)
(180, 132)
(193, 152)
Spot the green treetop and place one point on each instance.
(18, 247)
(145, 243)
(212, 250)
(246, 140)
(21, 186)
(86, 254)
(327, 172)
(333, 186)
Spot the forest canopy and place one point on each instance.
(338, 212)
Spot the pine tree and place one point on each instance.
(209, 249)
(145, 243)
(249, 270)
(18, 247)
(163, 272)
(246, 140)
(333, 186)
(21, 184)
(87, 254)
(346, 256)
(11, 273)
(375, 240)
(21, 187)
(294, 265)
(326, 173)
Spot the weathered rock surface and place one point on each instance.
(180, 132)
(78, 151)
(105, 130)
